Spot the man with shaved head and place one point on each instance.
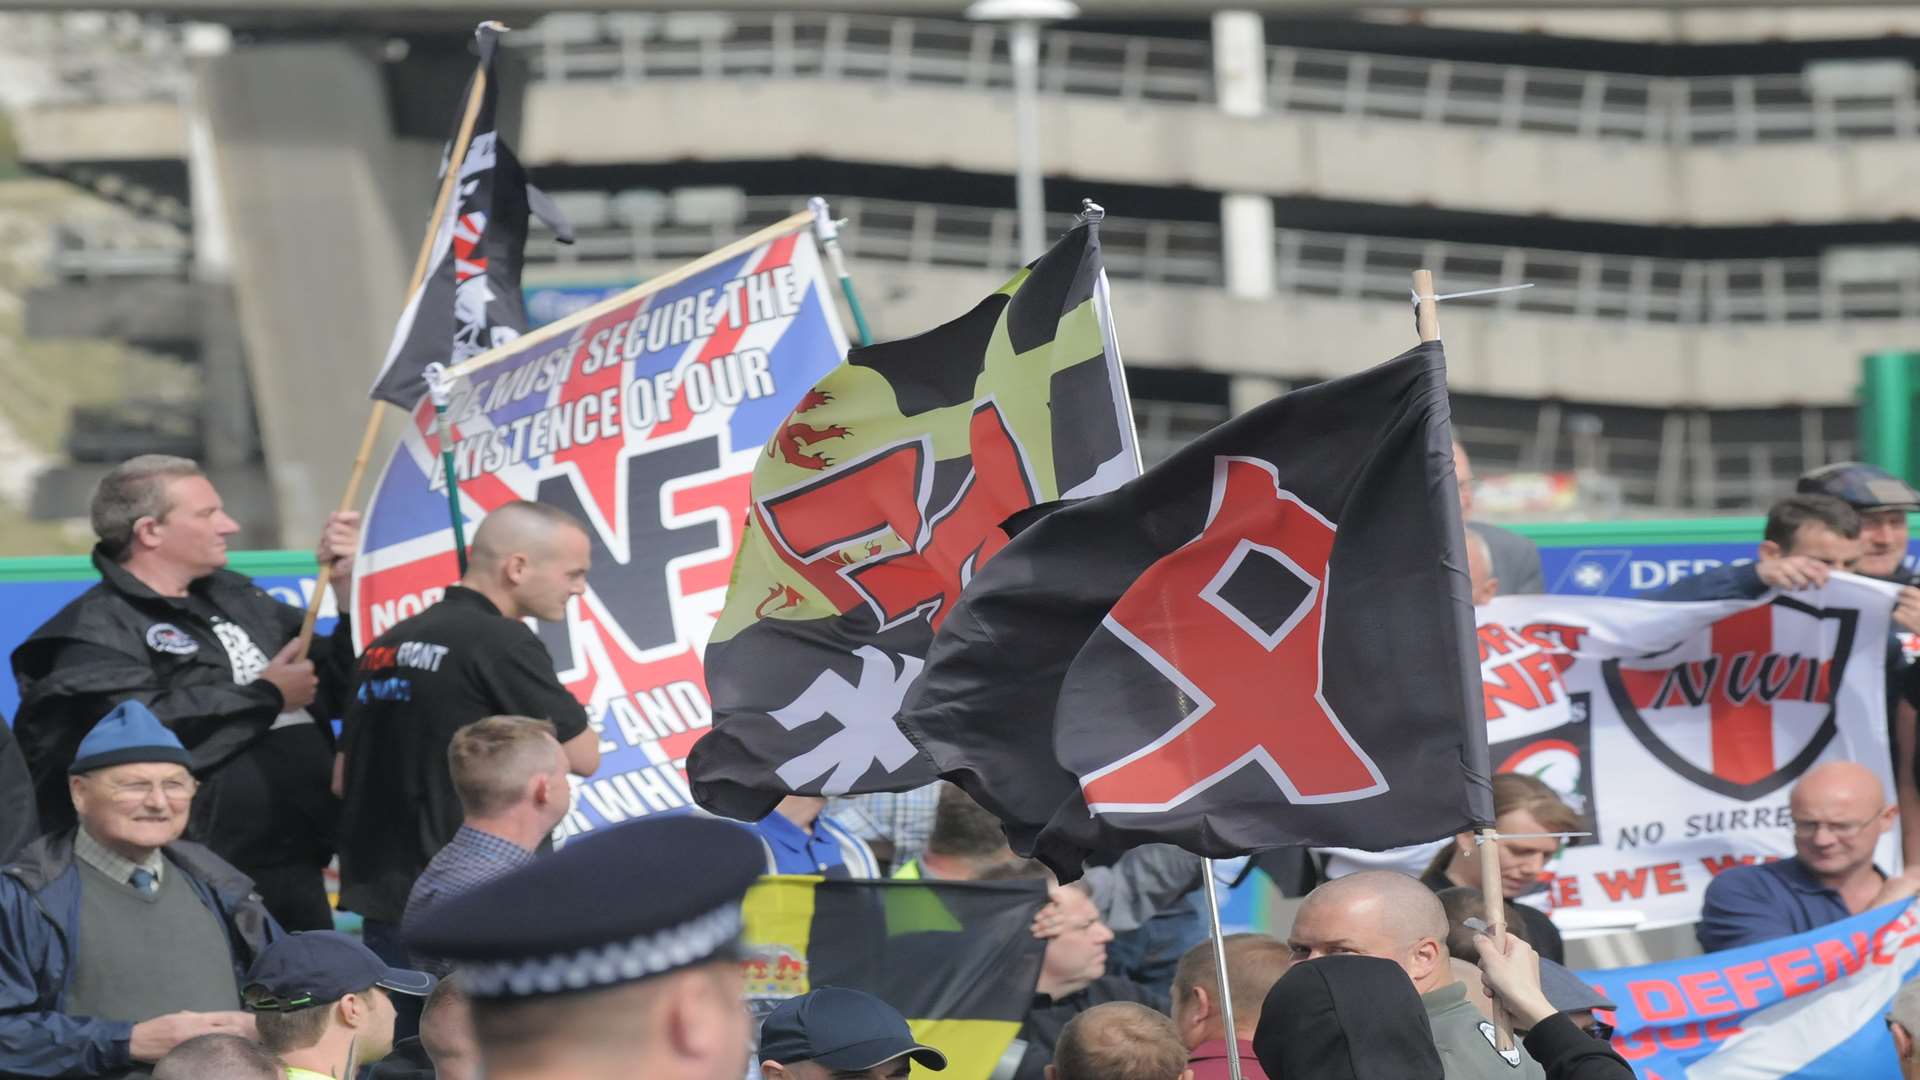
(467, 657)
(1840, 811)
(1393, 916)
(1121, 1040)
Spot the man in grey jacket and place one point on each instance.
(1390, 915)
(1516, 559)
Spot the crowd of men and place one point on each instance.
(178, 787)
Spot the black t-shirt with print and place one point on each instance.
(456, 662)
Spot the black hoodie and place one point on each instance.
(1345, 1018)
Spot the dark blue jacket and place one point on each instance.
(39, 917)
(1720, 583)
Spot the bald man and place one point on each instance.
(1393, 916)
(465, 658)
(1840, 811)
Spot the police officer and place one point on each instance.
(630, 969)
(464, 659)
(212, 655)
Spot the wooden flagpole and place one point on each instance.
(1426, 319)
(448, 184)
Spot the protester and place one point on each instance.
(1806, 538)
(1394, 917)
(1515, 559)
(1528, 811)
(1466, 910)
(19, 817)
(1512, 973)
(833, 1033)
(1903, 1023)
(213, 656)
(219, 1057)
(1119, 1041)
(444, 1049)
(1839, 814)
(511, 776)
(467, 657)
(119, 940)
(1480, 575)
(1073, 971)
(964, 842)
(1254, 963)
(1346, 1017)
(322, 1002)
(895, 824)
(799, 839)
(1883, 502)
(640, 979)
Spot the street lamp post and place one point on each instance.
(1023, 46)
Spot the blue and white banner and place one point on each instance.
(1810, 1006)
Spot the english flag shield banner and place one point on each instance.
(1680, 728)
(642, 416)
(469, 301)
(875, 504)
(1265, 640)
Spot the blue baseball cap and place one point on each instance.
(841, 1029)
(319, 967)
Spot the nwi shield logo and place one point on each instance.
(1745, 706)
(642, 416)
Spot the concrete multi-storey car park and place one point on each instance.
(1716, 207)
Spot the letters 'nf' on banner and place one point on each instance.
(877, 503)
(642, 416)
(1266, 640)
(1680, 728)
(1810, 1006)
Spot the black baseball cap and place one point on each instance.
(1864, 487)
(318, 967)
(841, 1029)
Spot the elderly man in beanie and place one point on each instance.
(119, 940)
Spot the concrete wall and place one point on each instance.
(324, 209)
(1489, 351)
(1366, 160)
(122, 131)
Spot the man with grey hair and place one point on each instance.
(219, 1057)
(1393, 916)
(214, 657)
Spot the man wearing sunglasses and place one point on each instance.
(119, 940)
(323, 1003)
(1839, 814)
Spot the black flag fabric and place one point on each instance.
(870, 510)
(1266, 640)
(470, 300)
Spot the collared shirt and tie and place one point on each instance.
(144, 876)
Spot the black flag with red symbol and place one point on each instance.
(1267, 640)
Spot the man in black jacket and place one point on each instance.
(466, 658)
(213, 656)
(19, 818)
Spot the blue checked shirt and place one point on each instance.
(472, 858)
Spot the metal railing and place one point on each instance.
(1594, 105)
(1342, 266)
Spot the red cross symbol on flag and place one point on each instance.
(1233, 619)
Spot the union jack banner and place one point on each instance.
(643, 416)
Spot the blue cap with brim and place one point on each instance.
(321, 966)
(841, 1029)
(128, 735)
